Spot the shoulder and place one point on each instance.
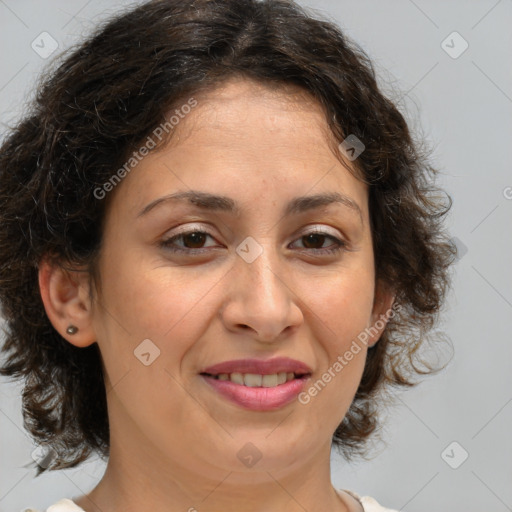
(63, 505)
(369, 504)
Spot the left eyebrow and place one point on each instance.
(213, 202)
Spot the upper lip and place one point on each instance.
(259, 366)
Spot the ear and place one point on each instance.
(381, 312)
(65, 296)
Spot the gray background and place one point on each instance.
(464, 107)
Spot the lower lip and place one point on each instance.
(258, 398)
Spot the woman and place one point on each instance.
(219, 244)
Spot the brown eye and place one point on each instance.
(315, 243)
(189, 242)
(313, 240)
(194, 240)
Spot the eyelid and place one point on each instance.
(339, 245)
(187, 228)
(323, 229)
(316, 228)
(183, 231)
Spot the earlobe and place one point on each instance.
(381, 313)
(65, 298)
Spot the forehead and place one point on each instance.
(245, 114)
(244, 131)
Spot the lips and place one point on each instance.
(258, 385)
(259, 367)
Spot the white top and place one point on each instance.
(67, 505)
(369, 504)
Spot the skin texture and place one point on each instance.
(174, 441)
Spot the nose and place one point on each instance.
(260, 299)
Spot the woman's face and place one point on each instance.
(248, 283)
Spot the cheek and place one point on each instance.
(343, 305)
(341, 310)
(170, 306)
(151, 296)
(171, 312)
(343, 316)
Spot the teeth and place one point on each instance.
(269, 381)
(253, 380)
(237, 378)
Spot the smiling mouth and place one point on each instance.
(254, 380)
(258, 392)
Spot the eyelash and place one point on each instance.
(167, 244)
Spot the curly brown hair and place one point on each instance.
(106, 96)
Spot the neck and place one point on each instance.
(197, 476)
(134, 484)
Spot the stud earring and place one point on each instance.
(72, 329)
